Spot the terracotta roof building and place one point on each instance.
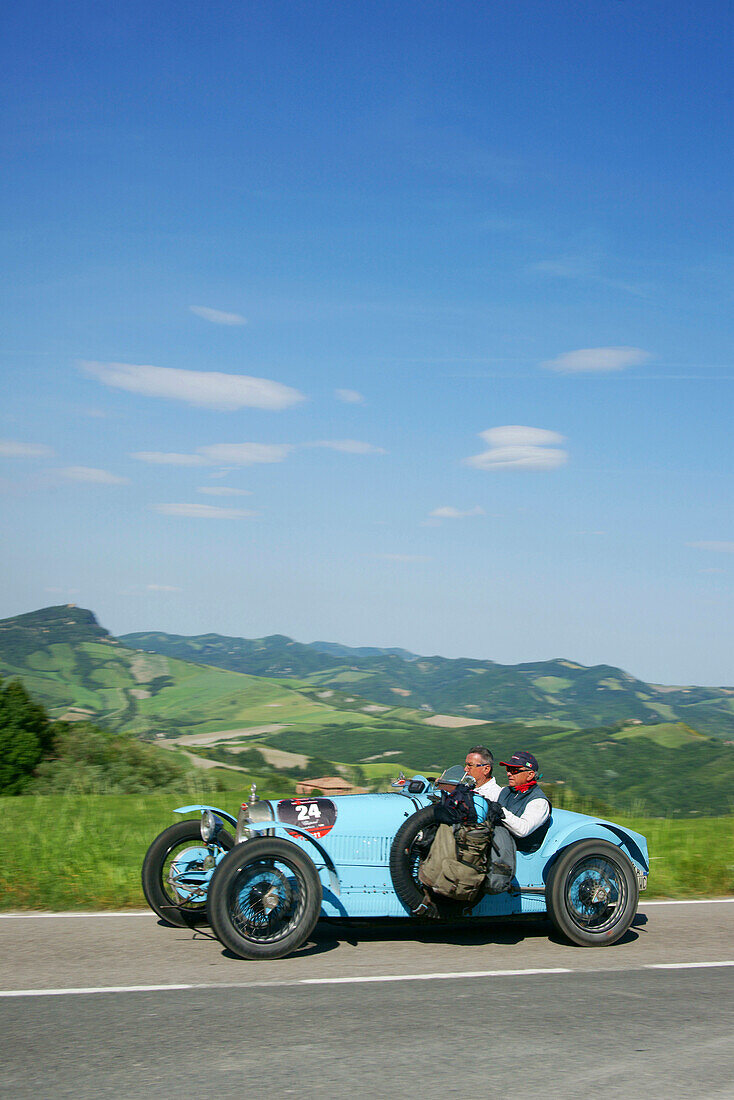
(329, 785)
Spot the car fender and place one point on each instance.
(214, 809)
(278, 826)
(582, 827)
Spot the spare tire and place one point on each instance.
(404, 858)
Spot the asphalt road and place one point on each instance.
(97, 1005)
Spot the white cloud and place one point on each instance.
(597, 359)
(217, 317)
(203, 511)
(517, 435)
(10, 448)
(514, 446)
(529, 458)
(350, 397)
(449, 512)
(718, 547)
(208, 389)
(245, 454)
(349, 446)
(223, 491)
(161, 458)
(92, 476)
(163, 588)
(249, 454)
(587, 268)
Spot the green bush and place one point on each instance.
(88, 760)
(26, 734)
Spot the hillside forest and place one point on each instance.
(81, 708)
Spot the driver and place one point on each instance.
(478, 765)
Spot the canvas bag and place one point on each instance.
(443, 847)
(501, 862)
(456, 865)
(465, 861)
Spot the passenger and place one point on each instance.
(478, 765)
(525, 806)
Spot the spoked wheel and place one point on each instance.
(592, 893)
(410, 845)
(264, 899)
(175, 875)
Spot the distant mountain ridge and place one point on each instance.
(335, 649)
(77, 670)
(559, 692)
(304, 703)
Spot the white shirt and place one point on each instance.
(490, 790)
(535, 813)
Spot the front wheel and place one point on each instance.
(264, 899)
(176, 871)
(592, 893)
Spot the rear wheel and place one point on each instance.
(592, 893)
(175, 873)
(264, 899)
(410, 845)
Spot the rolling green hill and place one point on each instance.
(667, 767)
(670, 777)
(557, 692)
(77, 671)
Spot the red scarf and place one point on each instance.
(526, 786)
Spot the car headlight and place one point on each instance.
(210, 826)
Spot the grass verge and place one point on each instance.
(72, 851)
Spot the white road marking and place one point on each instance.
(55, 916)
(432, 977)
(91, 989)
(687, 966)
(688, 901)
(358, 979)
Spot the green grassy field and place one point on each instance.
(671, 735)
(85, 852)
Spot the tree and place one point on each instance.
(26, 735)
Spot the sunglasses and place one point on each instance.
(514, 771)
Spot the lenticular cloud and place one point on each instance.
(514, 446)
(597, 360)
(208, 389)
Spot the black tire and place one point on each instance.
(592, 893)
(404, 859)
(158, 872)
(264, 898)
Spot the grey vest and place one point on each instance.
(515, 802)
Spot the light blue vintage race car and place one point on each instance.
(294, 860)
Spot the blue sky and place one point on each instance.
(390, 324)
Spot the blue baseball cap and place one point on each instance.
(521, 760)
